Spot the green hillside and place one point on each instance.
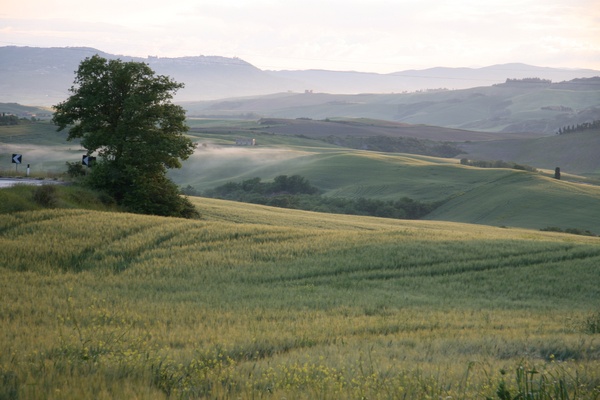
(499, 197)
(253, 302)
(336, 171)
(526, 200)
(574, 152)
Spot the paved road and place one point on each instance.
(7, 182)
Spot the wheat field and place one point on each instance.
(252, 302)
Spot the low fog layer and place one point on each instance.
(40, 157)
(212, 165)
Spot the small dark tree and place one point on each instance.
(75, 169)
(557, 173)
(123, 111)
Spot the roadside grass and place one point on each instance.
(253, 302)
(22, 197)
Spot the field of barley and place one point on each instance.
(252, 302)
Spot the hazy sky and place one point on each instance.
(361, 35)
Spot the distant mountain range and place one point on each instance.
(42, 76)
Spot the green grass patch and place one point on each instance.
(52, 195)
(526, 200)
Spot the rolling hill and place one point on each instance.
(363, 127)
(42, 76)
(574, 153)
(517, 98)
(525, 200)
(501, 197)
(353, 82)
(22, 111)
(537, 107)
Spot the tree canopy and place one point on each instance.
(123, 112)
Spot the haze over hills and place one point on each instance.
(575, 153)
(432, 78)
(42, 76)
(526, 106)
(511, 105)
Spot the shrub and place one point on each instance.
(45, 196)
(189, 190)
(75, 169)
(158, 196)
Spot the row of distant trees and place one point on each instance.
(579, 127)
(528, 80)
(497, 164)
(11, 119)
(297, 193)
(8, 119)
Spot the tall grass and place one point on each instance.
(253, 302)
(22, 197)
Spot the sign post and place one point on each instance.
(17, 159)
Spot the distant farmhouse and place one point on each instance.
(245, 142)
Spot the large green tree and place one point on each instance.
(122, 111)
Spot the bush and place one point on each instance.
(75, 169)
(45, 196)
(189, 190)
(158, 196)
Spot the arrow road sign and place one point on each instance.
(87, 160)
(17, 158)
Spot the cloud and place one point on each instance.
(373, 35)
